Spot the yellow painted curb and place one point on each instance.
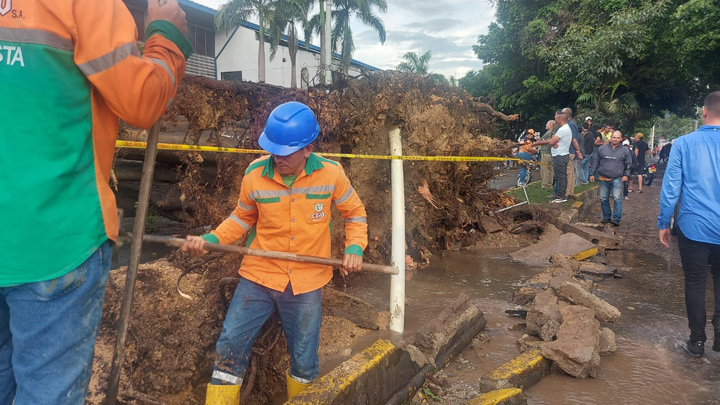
(495, 397)
(577, 204)
(585, 254)
(344, 376)
(517, 366)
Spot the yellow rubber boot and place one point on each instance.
(294, 387)
(222, 395)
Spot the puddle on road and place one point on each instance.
(650, 365)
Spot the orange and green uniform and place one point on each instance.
(293, 219)
(68, 70)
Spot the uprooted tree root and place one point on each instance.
(171, 340)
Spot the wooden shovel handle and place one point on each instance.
(214, 247)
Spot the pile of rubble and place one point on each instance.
(567, 318)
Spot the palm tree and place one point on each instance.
(415, 64)
(234, 12)
(288, 14)
(362, 10)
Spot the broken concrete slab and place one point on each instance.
(528, 342)
(568, 244)
(522, 371)
(489, 224)
(607, 341)
(602, 239)
(455, 326)
(574, 293)
(506, 396)
(550, 232)
(543, 317)
(597, 269)
(577, 348)
(369, 377)
(525, 295)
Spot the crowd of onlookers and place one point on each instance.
(573, 155)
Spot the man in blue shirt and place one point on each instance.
(693, 171)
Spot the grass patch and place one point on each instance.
(539, 195)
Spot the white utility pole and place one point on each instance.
(327, 57)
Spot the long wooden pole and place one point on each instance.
(213, 247)
(135, 250)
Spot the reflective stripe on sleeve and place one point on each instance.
(245, 207)
(110, 59)
(345, 196)
(240, 222)
(362, 220)
(166, 67)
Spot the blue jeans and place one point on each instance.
(47, 334)
(604, 192)
(585, 169)
(251, 306)
(523, 165)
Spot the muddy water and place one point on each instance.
(650, 365)
(489, 279)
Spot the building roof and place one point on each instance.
(247, 24)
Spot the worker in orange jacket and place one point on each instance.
(284, 204)
(68, 71)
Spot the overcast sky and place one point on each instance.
(448, 28)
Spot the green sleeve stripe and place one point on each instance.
(171, 32)
(251, 236)
(354, 250)
(211, 238)
(317, 196)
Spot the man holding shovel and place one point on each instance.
(284, 204)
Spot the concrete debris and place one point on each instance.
(544, 311)
(489, 224)
(575, 294)
(525, 295)
(455, 325)
(607, 341)
(563, 312)
(597, 236)
(528, 342)
(568, 244)
(597, 269)
(577, 348)
(355, 310)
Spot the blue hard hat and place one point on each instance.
(289, 128)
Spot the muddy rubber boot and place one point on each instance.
(222, 395)
(294, 387)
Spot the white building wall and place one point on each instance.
(241, 54)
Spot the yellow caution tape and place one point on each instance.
(179, 147)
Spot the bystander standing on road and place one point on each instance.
(526, 151)
(560, 149)
(546, 170)
(693, 172)
(611, 168)
(640, 149)
(588, 147)
(632, 172)
(576, 152)
(75, 72)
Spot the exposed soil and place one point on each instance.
(170, 344)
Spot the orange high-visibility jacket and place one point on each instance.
(68, 70)
(295, 220)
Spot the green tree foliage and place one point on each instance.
(342, 36)
(621, 60)
(412, 63)
(234, 12)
